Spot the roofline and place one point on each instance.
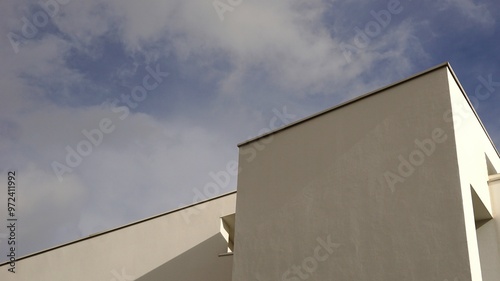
(445, 64)
(118, 228)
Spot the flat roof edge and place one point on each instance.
(119, 227)
(441, 65)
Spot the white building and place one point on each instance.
(399, 184)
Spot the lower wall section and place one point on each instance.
(183, 245)
(198, 263)
(488, 236)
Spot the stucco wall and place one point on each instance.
(182, 245)
(368, 191)
(488, 236)
(474, 150)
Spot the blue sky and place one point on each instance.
(206, 75)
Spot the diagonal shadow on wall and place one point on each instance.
(201, 262)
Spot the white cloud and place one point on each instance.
(478, 12)
(287, 41)
(147, 164)
(142, 168)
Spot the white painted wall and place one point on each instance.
(488, 236)
(321, 182)
(473, 148)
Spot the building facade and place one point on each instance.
(399, 184)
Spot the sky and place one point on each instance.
(114, 111)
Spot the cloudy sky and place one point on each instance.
(113, 111)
